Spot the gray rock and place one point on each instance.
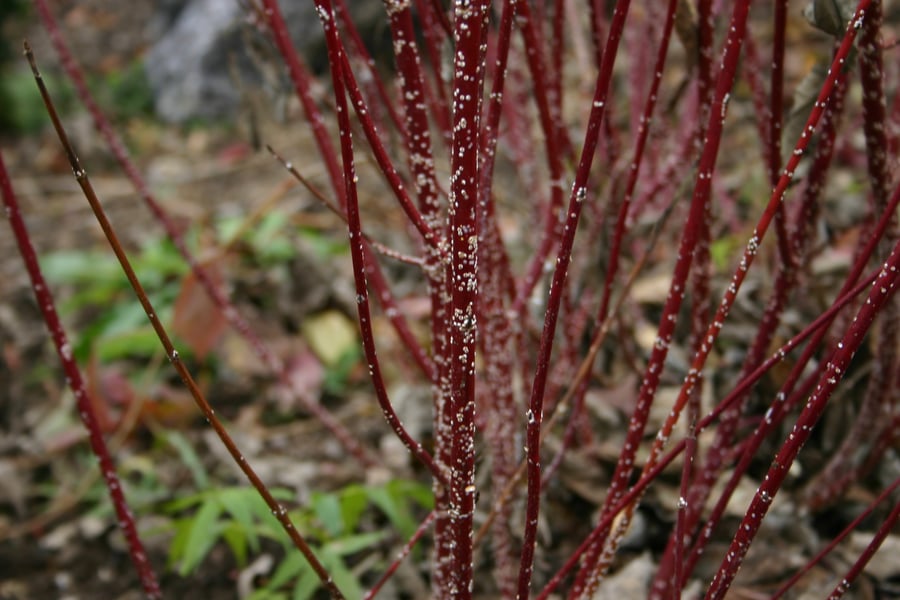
(208, 52)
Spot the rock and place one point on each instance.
(208, 52)
(188, 68)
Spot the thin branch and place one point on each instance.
(278, 510)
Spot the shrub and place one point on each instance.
(529, 327)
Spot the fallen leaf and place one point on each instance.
(331, 335)
(196, 318)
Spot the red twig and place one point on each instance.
(835, 368)
(73, 377)
(357, 243)
(387, 102)
(401, 556)
(213, 290)
(301, 80)
(832, 544)
(595, 564)
(600, 531)
(752, 246)
(534, 416)
(469, 33)
(859, 565)
(789, 395)
(81, 177)
(785, 279)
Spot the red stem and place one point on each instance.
(279, 511)
(784, 281)
(212, 289)
(690, 237)
(431, 237)
(788, 396)
(401, 556)
(469, 34)
(646, 479)
(884, 530)
(871, 72)
(782, 406)
(534, 415)
(833, 543)
(497, 332)
(358, 246)
(834, 370)
(301, 79)
(435, 29)
(557, 146)
(316, 120)
(752, 246)
(635, 166)
(387, 102)
(73, 377)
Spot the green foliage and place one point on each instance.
(724, 249)
(237, 515)
(325, 246)
(120, 328)
(121, 325)
(138, 474)
(269, 241)
(338, 374)
(23, 110)
(8, 9)
(126, 92)
(331, 522)
(188, 456)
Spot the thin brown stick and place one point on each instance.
(278, 510)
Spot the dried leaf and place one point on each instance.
(330, 335)
(196, 319)
(305, 372)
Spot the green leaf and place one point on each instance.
(724, 250)
(267, 594)
(327, 508)
(269, 239)
(292, 567)
(204, 531)
(126, 91)
(355, 543)
(189, 457)
(307, 584)
(179, 541)
(238, 502)
(142, 341)
(415, 491)
(269, 525)
(159, 261)
(353, 504)
(180, 504)
(345, 580)
(269, 226)
(235, 535)
(227, 227)
(324, 246)
(84, 268)
(108, 293)
(337, 374)
(395, 510)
